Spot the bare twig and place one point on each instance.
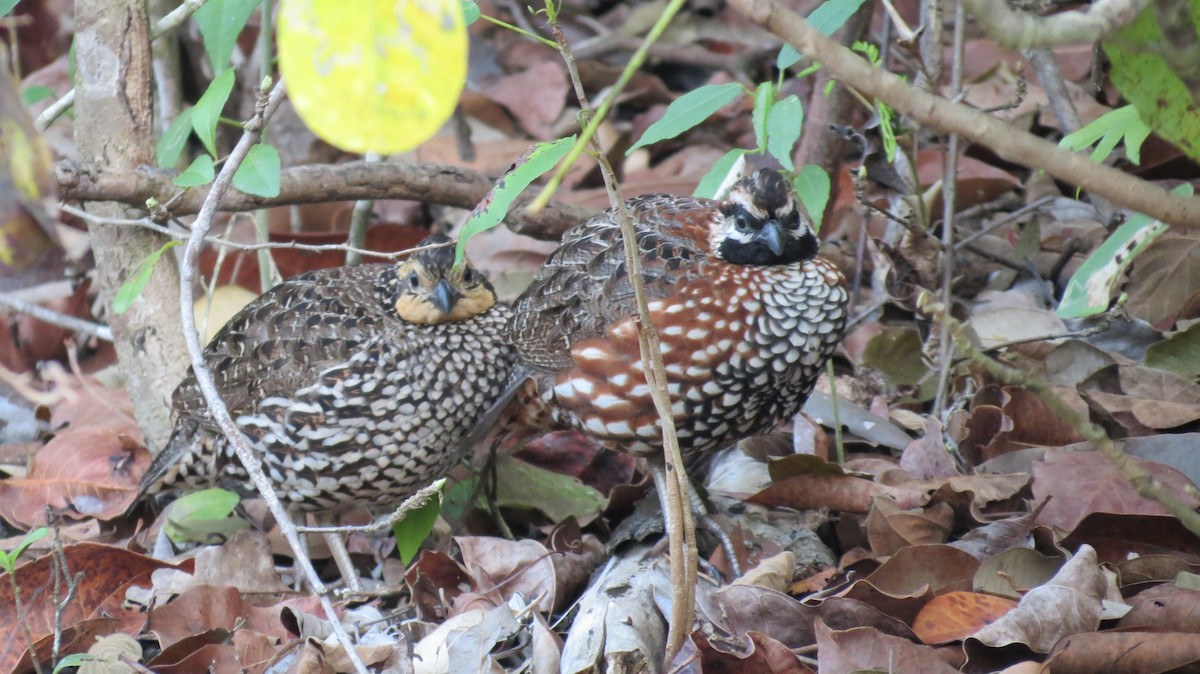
(1002, 138)
(57, 318)
(949, 199)
(414, 502)
(593, 123)
(1049, 74)
(1020, 30)
(61, 573)
(315, 183)
(681, 529)
(204, 379)
(164, 25)
(225, 243)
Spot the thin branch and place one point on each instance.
(949, 200)
(1005, 140)
(1021, 30)
(414, 502)
(1051, 77)
(164, 25)
(593, 124)
(57, 318)
(681, 528)
(1145, 484)
(225, 243)
(315, 183)
(204, 379)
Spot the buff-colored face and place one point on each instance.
(433, 291)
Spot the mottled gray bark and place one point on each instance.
(114, 126)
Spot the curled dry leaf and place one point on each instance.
(927, 457)
(1068, 604)
(889, 528)
(864, 648)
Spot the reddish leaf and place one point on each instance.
(957, 615)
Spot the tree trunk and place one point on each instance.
(114, 126)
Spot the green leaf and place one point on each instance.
(1148, 80)
(722, 175)
(1090, 289)
(7, 6)
(259, 172)
(531, 165)
(207, 111)
(1180, 353)
(827, 19)
(199, 172)
(200, 516)
(812, 186)
(1109, 129)
(73, 660)
(784, 123)
(8, 559)
(36, 94)
(763, 98)
(689, 110)
(220, 22)
(132, 288)
(521, 485)
(171, 145)
(415, 527)
(887, 129)
(470, 11)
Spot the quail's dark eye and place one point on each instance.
(741, 220)
(414, 281)
(469, 275)
(790, 220)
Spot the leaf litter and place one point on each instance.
(992, 538)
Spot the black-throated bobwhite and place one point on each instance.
(746, 310)
(354, 385)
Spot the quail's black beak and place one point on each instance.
(772, 236)
(444, 297)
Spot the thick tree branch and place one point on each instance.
(114, 127)
(351, 181)
(1005, 140)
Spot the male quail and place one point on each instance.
(746, 311)
(353, 385)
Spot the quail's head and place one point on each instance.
(432, 290)
(762, 223)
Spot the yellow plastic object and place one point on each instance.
(373, 75)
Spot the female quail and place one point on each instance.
(353, 385)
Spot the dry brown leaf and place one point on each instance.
(1086, 482)
(106, 572)
(889, 528)
(958, 615)
(864, 648)
(1068, 604)
(84, 471)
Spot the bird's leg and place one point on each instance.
(301, 521)
(341, 556)
(658, 472)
